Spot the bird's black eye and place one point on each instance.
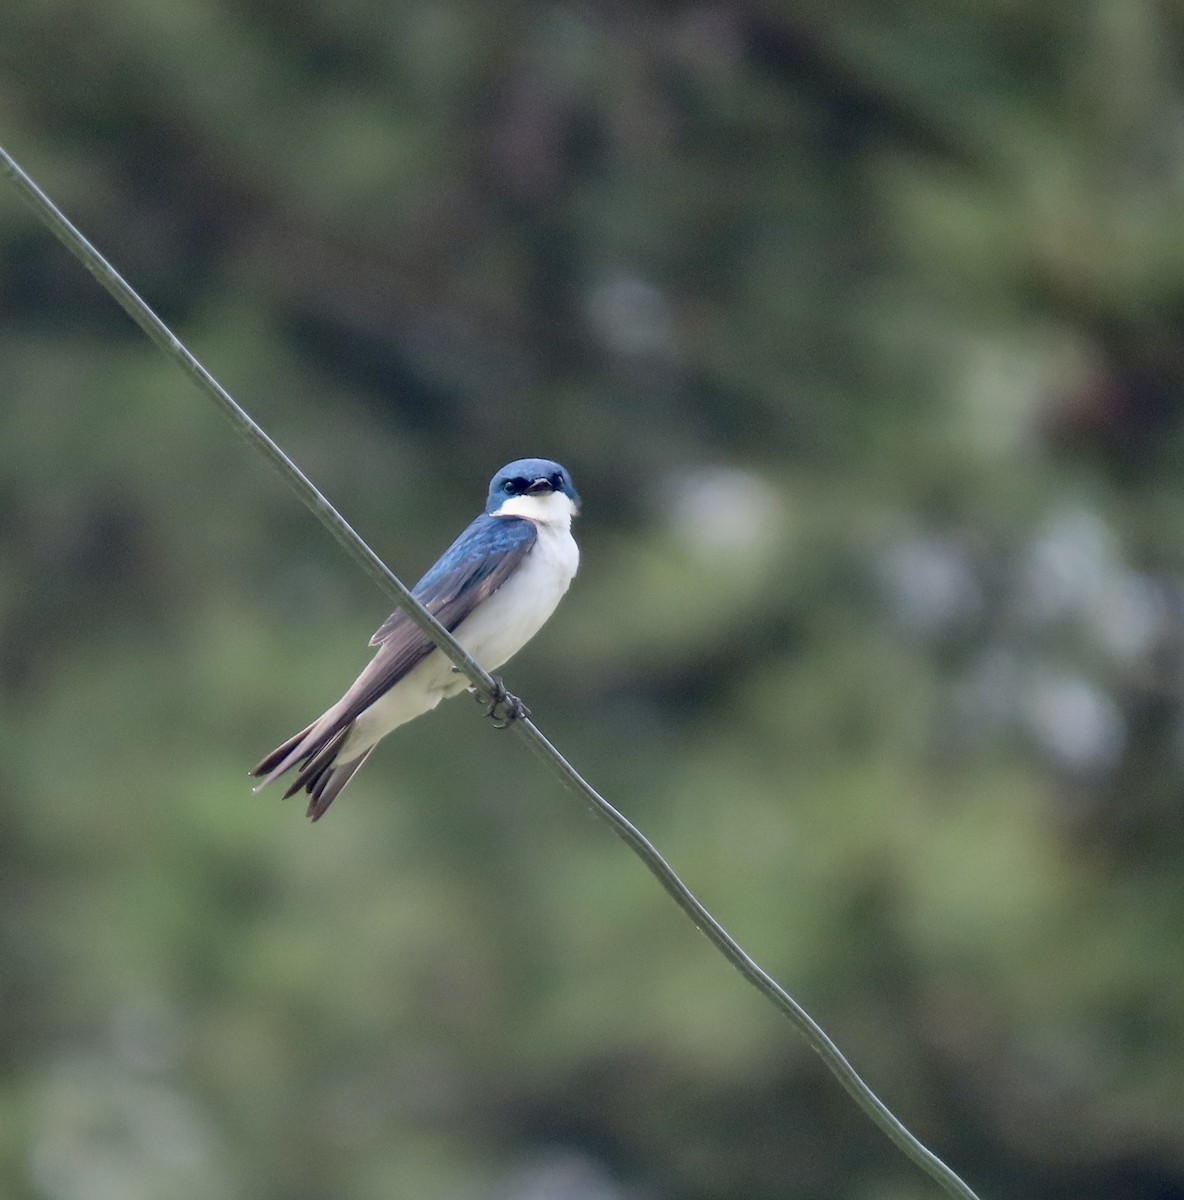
(511, 487)
(557, 481)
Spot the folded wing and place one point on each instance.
(469, 572)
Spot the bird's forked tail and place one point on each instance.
(315, 750)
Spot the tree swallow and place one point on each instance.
(493, 588)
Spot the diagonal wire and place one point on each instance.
(482, 682)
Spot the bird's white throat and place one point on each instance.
(553, 509)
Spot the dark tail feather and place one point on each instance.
(316, 760)
(270, 764)
(313, 749)
(320, 774)
(329, 782)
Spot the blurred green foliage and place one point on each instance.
(861, 328)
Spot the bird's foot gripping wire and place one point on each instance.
(504, 708)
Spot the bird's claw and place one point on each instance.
(504, 709)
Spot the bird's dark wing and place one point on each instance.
(468, 572)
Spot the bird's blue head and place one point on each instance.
(530, 484)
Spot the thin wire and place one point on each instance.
(484, 684)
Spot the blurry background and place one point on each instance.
(860, 325)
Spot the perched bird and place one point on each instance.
(493, 588)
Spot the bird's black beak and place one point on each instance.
(539, 486)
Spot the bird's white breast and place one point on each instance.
(521, 606)
(496, 631)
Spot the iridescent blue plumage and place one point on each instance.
(515, 478)
(479, 550)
